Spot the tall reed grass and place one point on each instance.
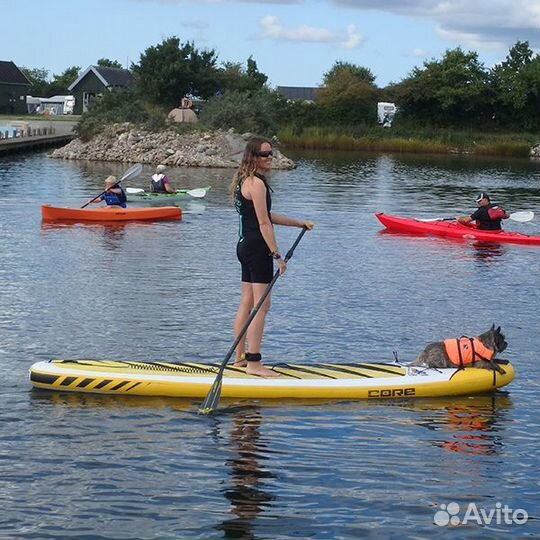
(404, 140)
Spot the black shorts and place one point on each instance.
(257, 263)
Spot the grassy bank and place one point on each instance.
(6, 118)
(434, 141)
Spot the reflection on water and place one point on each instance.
(469, 426)
(247, 473)
(481, 251)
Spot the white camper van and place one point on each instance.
(385, 113)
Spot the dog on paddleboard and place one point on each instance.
(479, 352)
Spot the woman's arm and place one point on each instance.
(280, 219)
(167, 185)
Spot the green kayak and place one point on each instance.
(141, 194)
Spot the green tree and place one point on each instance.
(256, 112)
(171, 70)
(39, 79)
(451, 91)
(516, 87)
(256, 78)
(349, 96)
(105, 62)
(60, 83)
(359, 73)
(233, 77)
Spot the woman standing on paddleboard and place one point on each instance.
(257, 248)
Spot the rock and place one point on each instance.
(124, 143)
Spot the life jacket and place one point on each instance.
(496, 212)
(465, 351)
(157, 184)
(115, 199)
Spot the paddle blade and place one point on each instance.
(211, 401)
(522, 217)
(132, 172)
(134, 190)
(197, 193)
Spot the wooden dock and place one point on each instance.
(28, 135)
(35, 142)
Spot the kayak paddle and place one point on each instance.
(211, 401)
(521, 217)
(132, 172)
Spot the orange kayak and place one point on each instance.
(109, 213)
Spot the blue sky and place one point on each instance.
(294, 42)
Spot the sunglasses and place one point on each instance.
(265, 153)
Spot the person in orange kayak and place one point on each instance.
(114, 194)
(159, 182)
(488, 216)
(257, 248)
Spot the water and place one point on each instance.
(7, 131)
(107, 467)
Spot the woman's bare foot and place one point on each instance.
(256, 368)
(240, 361)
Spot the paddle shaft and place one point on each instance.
(520, 217)
(102, 193)
(212, 399)
(132, 172)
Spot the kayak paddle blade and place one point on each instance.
(522, 217)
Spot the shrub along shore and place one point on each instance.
(412, 141)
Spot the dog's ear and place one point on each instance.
(498, 330)
(492, 326)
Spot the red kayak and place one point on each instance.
(453, 229)
(110, 213)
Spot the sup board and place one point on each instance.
(327, 381)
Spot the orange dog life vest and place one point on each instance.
(466, 351)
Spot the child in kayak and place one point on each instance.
(114, 193)
(488, 216)
(159, 182)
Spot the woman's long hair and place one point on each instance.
(248, 165)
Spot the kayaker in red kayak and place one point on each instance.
(114, 194)
(488, 216)
(159, 182)
(257, 248)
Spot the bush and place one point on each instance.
(255, 112)
(117, 107)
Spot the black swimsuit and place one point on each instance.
(252, 251)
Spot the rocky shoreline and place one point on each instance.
(125, 143)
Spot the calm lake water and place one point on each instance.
(101, 467)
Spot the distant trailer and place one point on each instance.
(385, 113)
(55, 106)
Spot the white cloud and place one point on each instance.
(419, 52)
(481, 24)
(273, 29)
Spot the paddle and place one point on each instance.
(211, 401)
(132, 172)
(521, 217)
(197, 193)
